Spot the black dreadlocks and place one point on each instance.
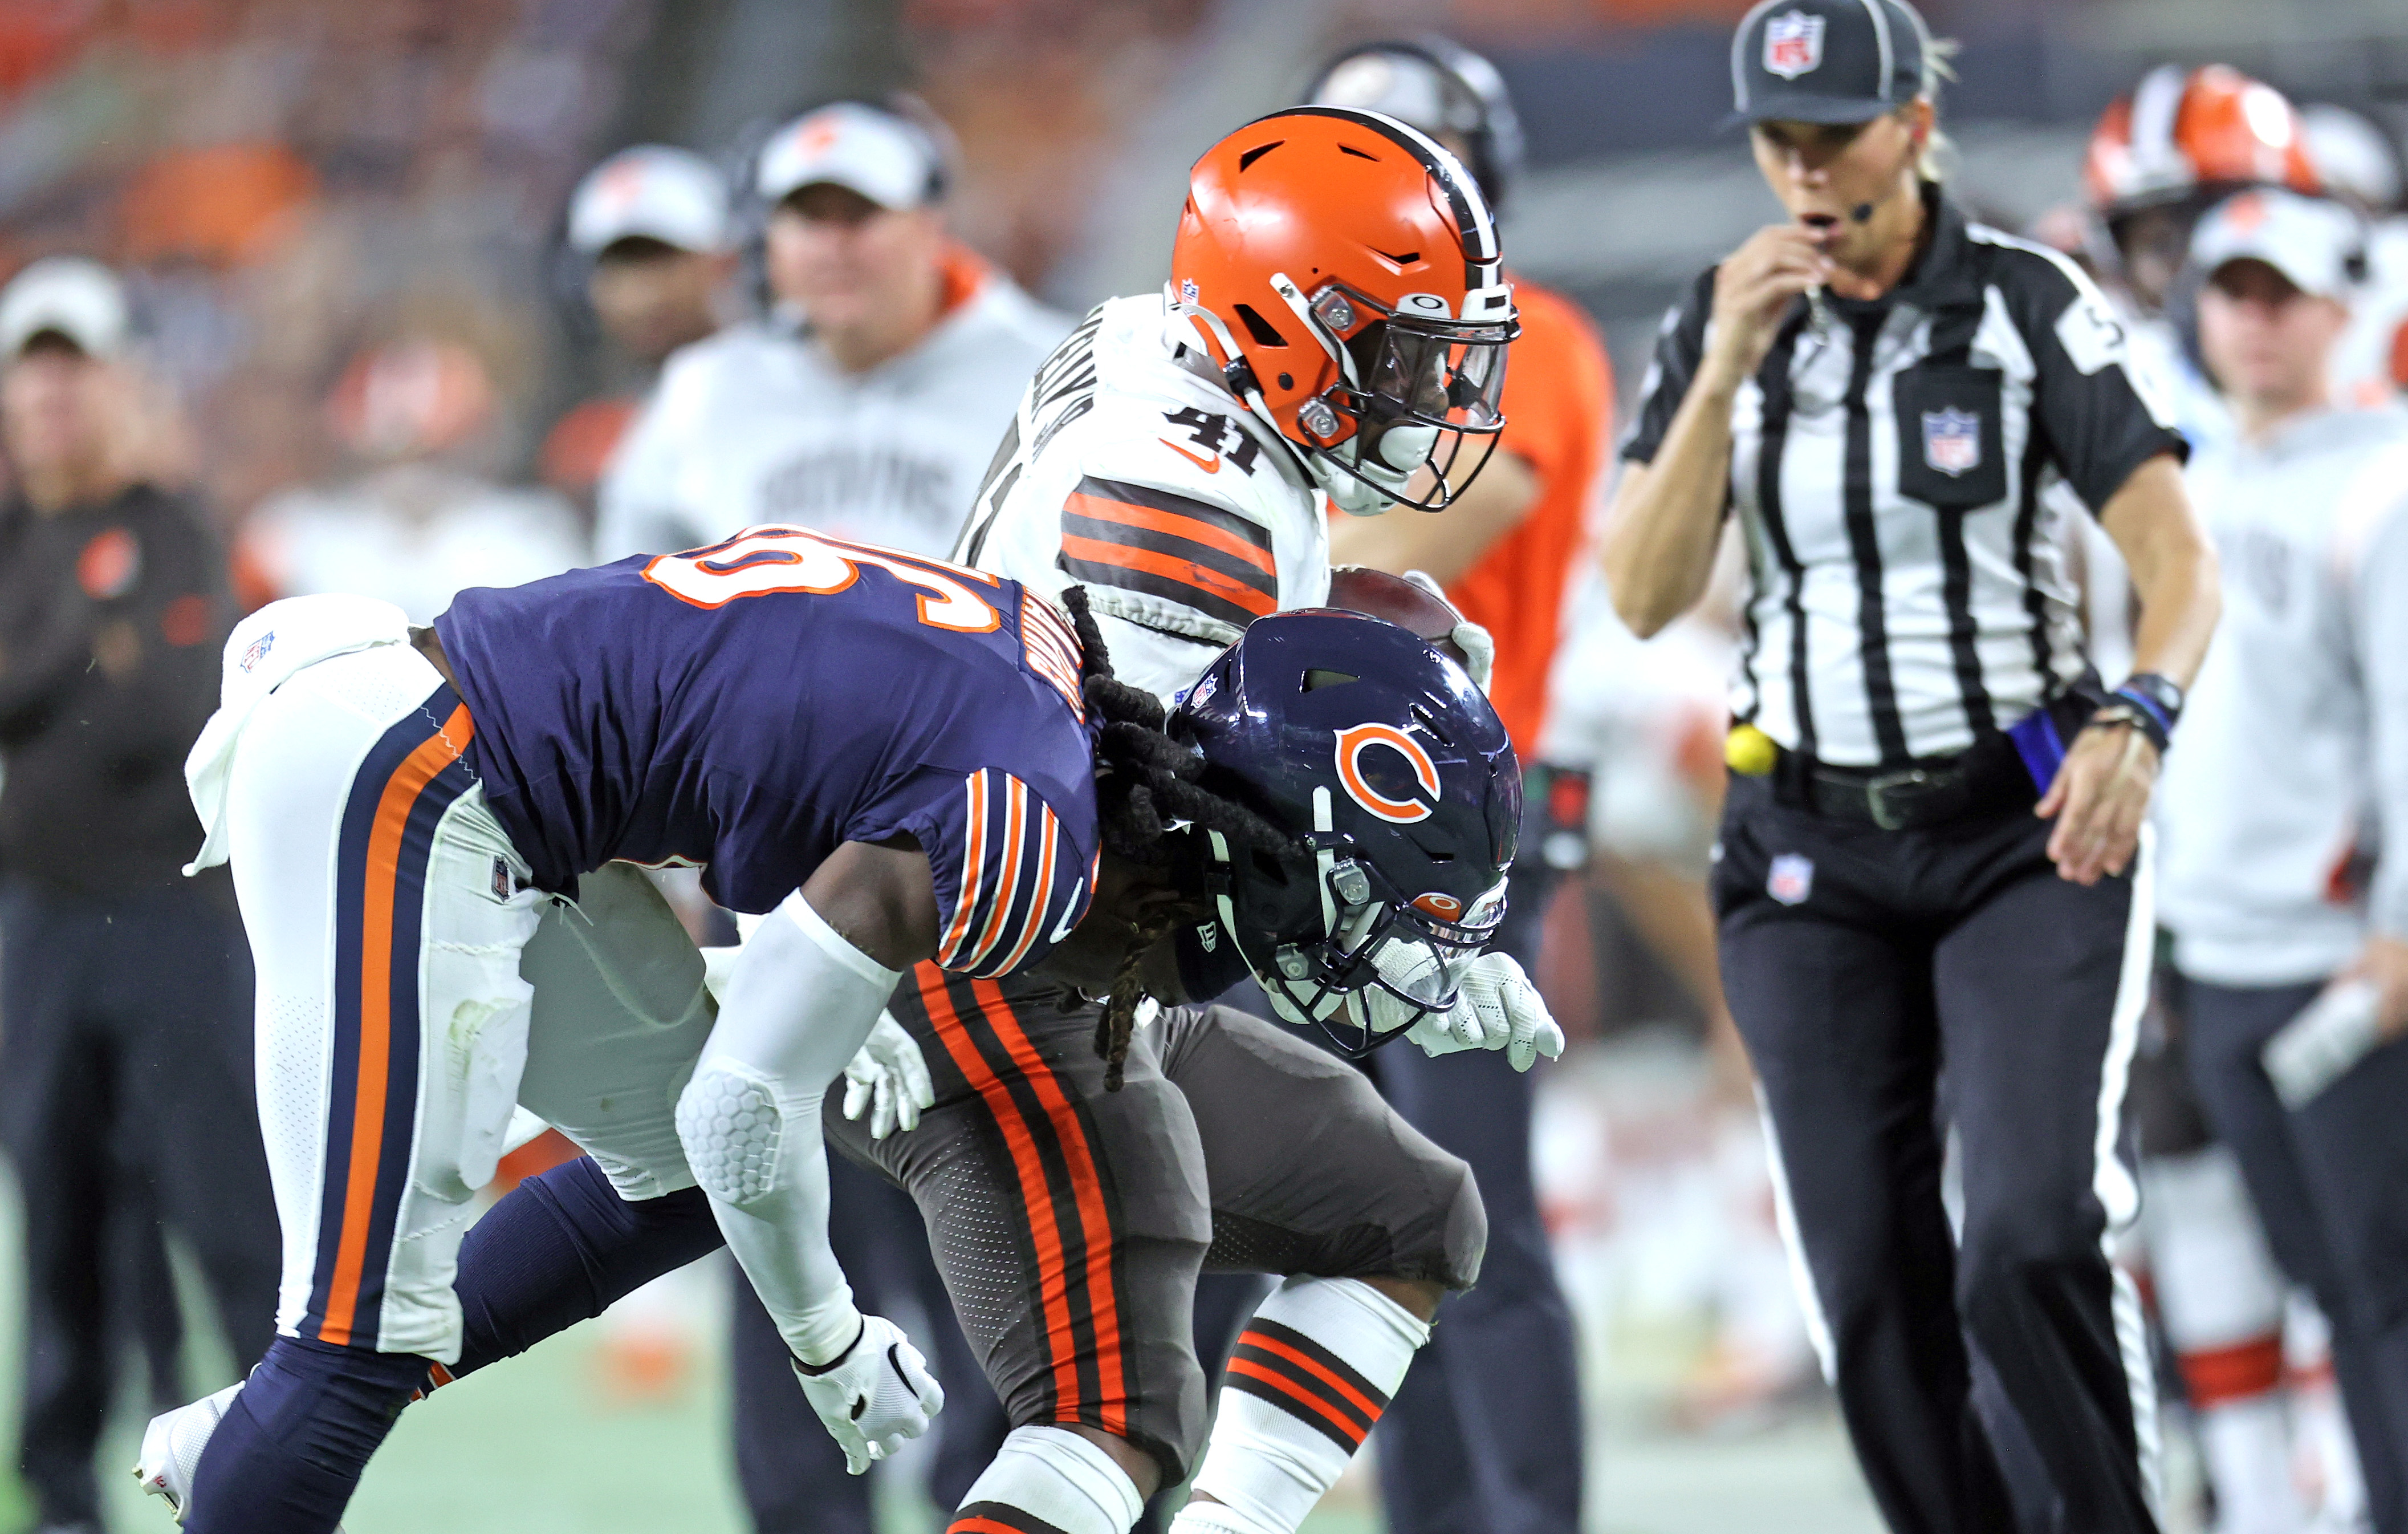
(1143, 780)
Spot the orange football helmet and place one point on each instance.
(2177, 135)
(1342, 270)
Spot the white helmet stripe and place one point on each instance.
(2156, 105)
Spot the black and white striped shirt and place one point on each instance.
(1893, 468)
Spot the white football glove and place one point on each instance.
(1495, 1007)
(889, 1076)
(876, 1395)
(1478, 647)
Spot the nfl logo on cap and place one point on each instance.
(1793, 44)
(1952, 441)
(1791, 878)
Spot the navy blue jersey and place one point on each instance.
(749, 706)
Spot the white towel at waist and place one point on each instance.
(262, 653)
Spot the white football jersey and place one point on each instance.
(1136, 475)
(757, 424)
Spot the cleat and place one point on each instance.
(172, 1446)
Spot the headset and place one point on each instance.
(1492, 139)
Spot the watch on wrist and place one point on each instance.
(2160, 694)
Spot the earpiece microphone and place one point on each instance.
(1862, 212)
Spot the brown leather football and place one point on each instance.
(1359, 589)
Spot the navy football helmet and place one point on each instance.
(1391, 769)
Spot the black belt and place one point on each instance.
(1983, 782)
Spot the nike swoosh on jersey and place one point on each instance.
(1210, 466)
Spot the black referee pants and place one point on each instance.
(2331, 1183)
(1861, 965)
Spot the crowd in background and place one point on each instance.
(369, 348)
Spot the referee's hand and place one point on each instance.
(1753, 290)
(2100, 799)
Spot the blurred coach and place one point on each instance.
(1930, 851)
(1485, 1436)
(2297, 752)
(868, 400)
(125, 990)
(865, 403)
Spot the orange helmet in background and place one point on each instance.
(1342, 270)
(2180, 134)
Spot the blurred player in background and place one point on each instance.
(2297, 749)
(2160, 156)
(867, 401)
(650, 224)
(1486, 1433)
(422, 518)
(124, 1034)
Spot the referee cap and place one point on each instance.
(2316, 244)
(66, 295)
(649, 192)
(883, 156)
(1827, 60)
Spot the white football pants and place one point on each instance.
(412, 989)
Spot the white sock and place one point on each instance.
(1310, 1375)
(2248, 1446)
(1049, 1480)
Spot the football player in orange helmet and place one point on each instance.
(1334, 332)
(1355, 302)
(2172, 147)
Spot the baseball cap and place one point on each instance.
(77, 298)
(886, 157)
(649, 192)
(1827, 60)
(2317, 244)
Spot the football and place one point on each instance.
(1359, 589)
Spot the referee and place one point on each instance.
(1930, 852)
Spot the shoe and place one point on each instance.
(172, 1447)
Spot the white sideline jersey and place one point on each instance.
(1139, 477)
(2293, 748)
(757, 423)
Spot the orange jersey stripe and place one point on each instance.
(1052, 1264)
(1287, 1387)
(1088, 1188)
(394, 805)
(1195, 530)
(1186, 571)
(973, 869)
(1014, 826)
(1313, 1367)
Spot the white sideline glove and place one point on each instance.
(888, 1075)
(1478, 647)
(876, 1395)
(1495, 1007)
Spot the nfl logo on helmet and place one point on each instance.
(1952, 441)
(1793, 44)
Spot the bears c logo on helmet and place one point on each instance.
(1355, 740)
